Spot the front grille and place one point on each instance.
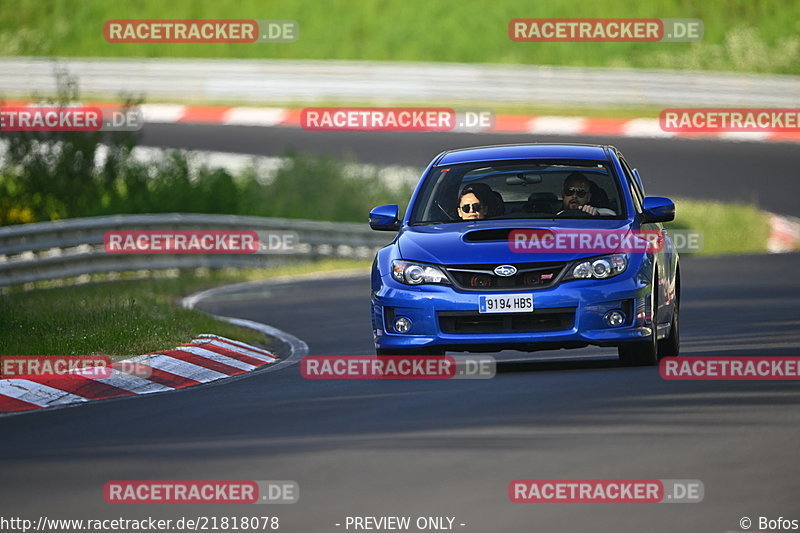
(528, 276)
(558, 319)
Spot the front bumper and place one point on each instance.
(429, 307)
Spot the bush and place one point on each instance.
(52, 175)
(318, 189)
(56, 175)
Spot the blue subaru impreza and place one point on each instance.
(472, 269)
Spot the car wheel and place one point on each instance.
(643, 353)
(671, 345)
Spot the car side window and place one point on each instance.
(636, 194)
(629, 171)
(637, 203)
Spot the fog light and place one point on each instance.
(402, 325)
(614, 319)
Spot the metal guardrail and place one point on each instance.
(74, 247)
(304, 82)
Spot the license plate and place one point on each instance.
(506, 303)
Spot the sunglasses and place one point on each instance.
(572, 191)
(468, 208)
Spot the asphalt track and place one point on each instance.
(450, 448)
(764, 174)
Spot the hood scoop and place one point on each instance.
(489, 235)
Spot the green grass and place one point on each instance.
(727, 228)
(740, 35)
(128, 317)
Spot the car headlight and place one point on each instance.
(416, 274)
(603, 267)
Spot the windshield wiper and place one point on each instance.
(448, 215)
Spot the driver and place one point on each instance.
(577, 195)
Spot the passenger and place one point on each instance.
(577, 195)
(473, 204)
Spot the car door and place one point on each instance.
(666, 258)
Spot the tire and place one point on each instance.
(671, 345)
(643, 353)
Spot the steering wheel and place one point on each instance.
(573, 213)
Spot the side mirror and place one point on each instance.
(658, 209)
(385, 218)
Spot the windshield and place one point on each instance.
(519, 190)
